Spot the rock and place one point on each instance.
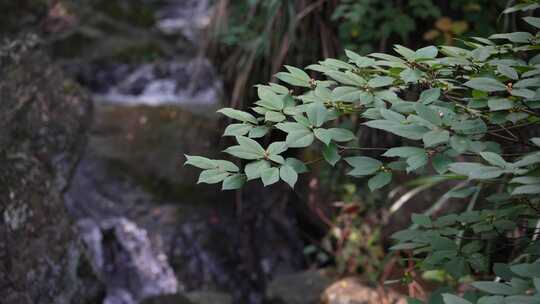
(353, 291)
(43, 123)
(301, 288)
(209, 297)
(126, 262)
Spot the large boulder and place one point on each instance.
(43, 120)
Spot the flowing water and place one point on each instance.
(149, 229)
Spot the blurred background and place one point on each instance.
(100, 100)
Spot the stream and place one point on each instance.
(148, 228)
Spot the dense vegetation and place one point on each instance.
(472, 125)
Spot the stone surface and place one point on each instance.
(126, 261)
(298, 288)
(353, 291)
(43, 121)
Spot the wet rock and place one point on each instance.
(43, 123)
(300, 288)
(126, 262)
(353, 291)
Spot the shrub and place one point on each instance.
(472, 122)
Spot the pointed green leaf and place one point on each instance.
(237, 129)
(300, 138)
(436, 137)
(288, 175)
(200, 162)
(238, 115)
(452, 299)
(331, 155)
(428, 114)
(486, 84)
(233, 182)
(317, 114)
(363, 165)
(277, 147)
(270, 176)
(253, 170)
(212, 176)
(380, 180)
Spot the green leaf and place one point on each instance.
(380, 180)
(341, 135)
(416, 161)
(522, 300)
(277, 147)
(270, 99)
(508, 71)
(499, 104)
(200, 162)
(233, 182)
(250, 145)
(317, 114)
(491, 300)
(276, 158)
(289, 127)
(288, 175)
(534, 21)
(212, 176)
(411, 75)
(494, 159)
(442, 243)
(527, 270)
(237, 129)
(470, 127)
(404, 152)
(452, 299)
(297, 165)
(428, 52)
(536, 141)
(300, 138)
(292, 80)
(380, 81)
(405, 52)
(421, 220)
(413, 132)
(243, 152)
(528, 189)
(428, 114)
(486, 84)
(274, 116)
(258, 132)
(270, 176)
(440, 163)
(392, 116)
(495, 288)
(457, 267)
(459, 143)
(429, 96)
(517, 37)
(435, 137)
(363, 165)
(253, 170)
(225, 165)
(238, 115)
(323, 135)
(331, 155)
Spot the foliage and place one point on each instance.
(367, 25)
(257, 37)
(463, 126)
